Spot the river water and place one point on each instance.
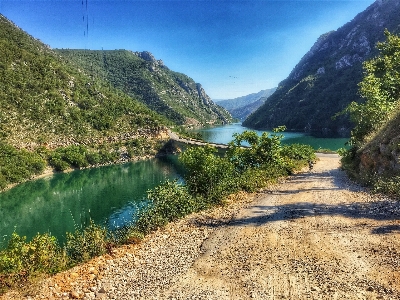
(108, 195)
(223, 135)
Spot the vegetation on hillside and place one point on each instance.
(326, 79)
(209, 179)
(375, 138)
(44, 100)
(140, 75)
(55, 113)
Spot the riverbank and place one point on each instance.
(314, 236)
(123, 159)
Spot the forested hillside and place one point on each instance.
(45, 100)
(52, 113)
(325, 81)
(140, 75)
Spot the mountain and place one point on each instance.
(325, 80)
(45, 100)
(242, 101)
(141, 76)
(241, 107)
(243, 112)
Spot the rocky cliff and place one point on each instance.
(325, 80)
(381, 154)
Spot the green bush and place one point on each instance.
(169, 201)
(298, 152)
(79, 157)
(208, 175)
(264, 149)
(41, 255)
(86, 243)
(18, 165)
(387, 185)
(56, 160)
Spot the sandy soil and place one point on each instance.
(314, 236)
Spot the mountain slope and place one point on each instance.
(325, 81)
(243, 112)
(141, 76)
(231, 104)
(241, 107)
(45, 100)
(380, 155)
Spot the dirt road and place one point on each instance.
(314, 236)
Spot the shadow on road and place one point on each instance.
(380, 209)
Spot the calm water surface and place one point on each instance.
(223, 135)
(58, 204)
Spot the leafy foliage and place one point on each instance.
(86, 243)
(380, 88)
(18, 165)
(208, 175)
(169, 201)
(373, 158)
(21, 260)
(262, 150)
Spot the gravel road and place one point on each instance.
(314, 236)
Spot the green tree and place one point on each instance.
(380, 88)
(264, 149)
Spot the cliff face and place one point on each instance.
(325, 80)
(140, 75)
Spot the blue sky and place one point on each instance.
(233, 48)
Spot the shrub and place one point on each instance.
(86, 243)
(208, 175)
(169, 201)
(41, 255)
(18, 165)
(264, 149)
(298, 152)
(387, 185)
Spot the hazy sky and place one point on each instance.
(233, 48)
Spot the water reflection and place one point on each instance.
(60, 203)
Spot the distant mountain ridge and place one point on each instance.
(141, 76)
(243, 106)
(325, 80)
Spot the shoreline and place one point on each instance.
(48, 171)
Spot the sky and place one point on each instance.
(231, 47)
